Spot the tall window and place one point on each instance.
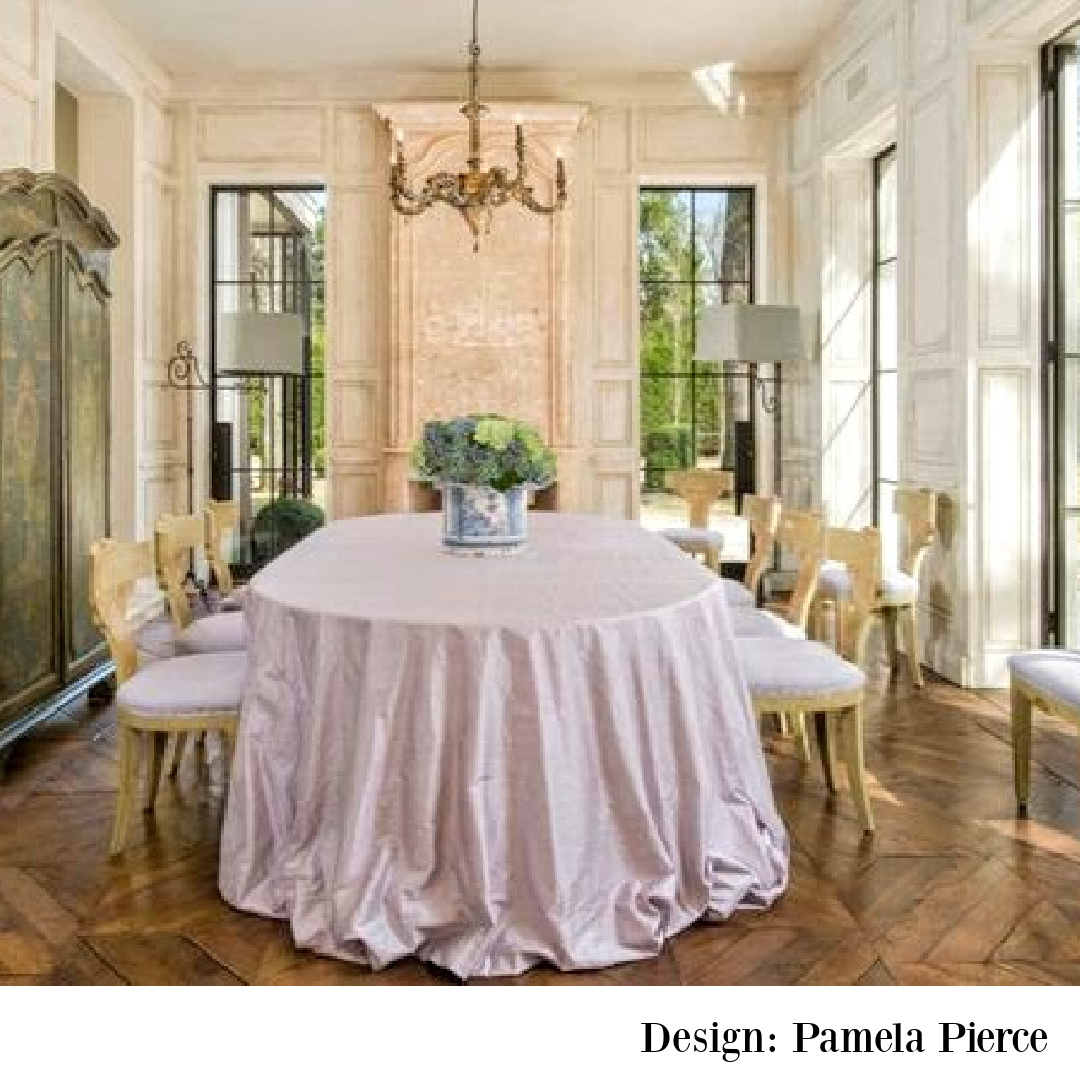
(696, 248)
(886, 390)
(1062, 345)
(268, 356)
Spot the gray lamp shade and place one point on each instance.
(260, 343)
(750, 334)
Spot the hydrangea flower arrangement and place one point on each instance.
(488, 450)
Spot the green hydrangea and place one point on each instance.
(489, 450)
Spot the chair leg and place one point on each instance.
(1021, 740)
(851, 740)
(802, 737)
(839, 626)
(821, 728)
(889, 621)
(228, 744)
(180, 742)
(158, 743)
(911, 625)
(126, 792)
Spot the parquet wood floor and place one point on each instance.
(952, 890)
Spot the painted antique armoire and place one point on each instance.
(54, 443)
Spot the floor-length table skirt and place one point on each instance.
(487, 763)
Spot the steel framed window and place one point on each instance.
(696, 247)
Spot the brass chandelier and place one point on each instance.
(477, 191)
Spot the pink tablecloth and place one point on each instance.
(489, 762)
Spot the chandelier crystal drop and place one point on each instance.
(477, 191)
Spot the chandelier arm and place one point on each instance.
(525, 196)
(474, 192)
(413, 208)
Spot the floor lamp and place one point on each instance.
(754, 335)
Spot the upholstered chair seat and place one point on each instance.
(894, 586)
(686, 536)
(1053, 672)
(1047, 679)
(754, 623)
(222, 633)
(186, 686)
(737, 594)
(155, 640)
(235, 600)
(805, 670)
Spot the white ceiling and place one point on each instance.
(191, 36)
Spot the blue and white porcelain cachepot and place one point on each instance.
(476, 517)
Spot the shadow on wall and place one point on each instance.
(940, 605)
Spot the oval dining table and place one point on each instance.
(490, 762)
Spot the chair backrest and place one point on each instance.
(179, 538)
(762, 513)
(699, 489)
(917, 509)
(116, 567)
(800, 533)
(860, 552)
(222, 520)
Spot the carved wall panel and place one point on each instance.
(484, 330)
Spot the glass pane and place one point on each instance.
(1069, 243)
(888, 427)
(228, 236)
(1069, 431)
(887, 343)
(667, 329)
(270, 246)
(889, 527)
(886, 207)
(1068, 147)
(666, 429)
(731, 293)
(724, 235)
(664, 242)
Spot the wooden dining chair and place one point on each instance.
(699, 489)
(798, 678)
(897, 602)
(762, 515)
(179, 540)
(222, 520)
(800, 534)
(174, 697)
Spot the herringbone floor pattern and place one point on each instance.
(953, 890)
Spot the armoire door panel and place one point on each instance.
(29, 661)
(86, 380)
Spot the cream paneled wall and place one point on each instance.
(384, 274)
(125, 166)
(954, 83)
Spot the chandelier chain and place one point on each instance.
(475, 192)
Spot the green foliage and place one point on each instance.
(490, 450)
(280, 524)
